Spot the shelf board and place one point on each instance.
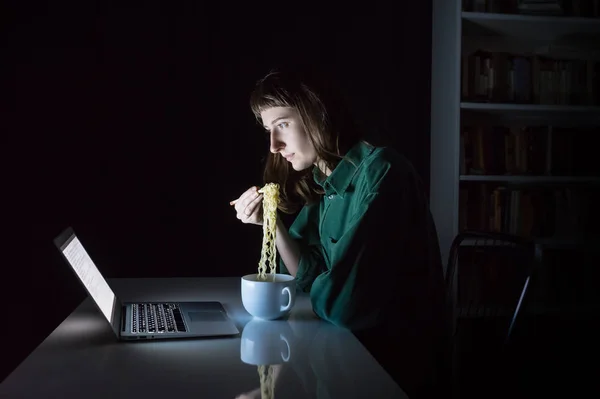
(502, 108)
(535, 113)
(530, 27)
(474, 312)
(546, 242)
(530, 179)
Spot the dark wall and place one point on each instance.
(132, 125)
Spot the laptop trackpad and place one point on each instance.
(199, 317)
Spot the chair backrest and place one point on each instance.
(487, 277)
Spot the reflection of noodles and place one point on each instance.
(267, 257)
(267, 383)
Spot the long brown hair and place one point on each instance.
(324, 117)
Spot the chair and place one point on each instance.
(487, 279)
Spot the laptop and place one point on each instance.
(143, 320)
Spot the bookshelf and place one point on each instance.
(533, 110)
(531, 179)
(503, 76)
(543, 27)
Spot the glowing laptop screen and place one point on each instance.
(89, 274)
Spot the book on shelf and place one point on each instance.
(491, 6)
(533, 212)
(525, 209)
(522, 150)
(499, 77)
(542, 7)
(573, 8)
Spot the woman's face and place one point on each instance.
(288, 138)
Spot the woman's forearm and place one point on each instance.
(287, 248)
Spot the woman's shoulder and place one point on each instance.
(384, 169)
(384, 160)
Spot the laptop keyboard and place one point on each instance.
(157, 318)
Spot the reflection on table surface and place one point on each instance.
(300, 357)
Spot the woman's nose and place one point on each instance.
(275, 144)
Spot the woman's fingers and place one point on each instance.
(247, 200)
(252, 213)
(247, 206)
(235, 201)
(239, 203)
(253, 205)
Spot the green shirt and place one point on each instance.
(369, 252)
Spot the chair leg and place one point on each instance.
(538, 261)
(455, 376)
(517, 309)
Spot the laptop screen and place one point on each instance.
(90, 276)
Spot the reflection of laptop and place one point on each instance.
(143, 320)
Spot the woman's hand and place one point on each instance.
(256, 394)
(248, 207)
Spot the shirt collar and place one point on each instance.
(339, 179)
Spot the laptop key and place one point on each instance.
(150, 317)
(179, 323)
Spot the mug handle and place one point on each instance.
(285, 358)
(289, 304)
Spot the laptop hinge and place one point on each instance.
(123, 315)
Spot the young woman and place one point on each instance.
(363, 243)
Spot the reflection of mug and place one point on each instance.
(266, 342)
(268, 299)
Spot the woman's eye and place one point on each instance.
(283, 124)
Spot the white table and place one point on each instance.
(83, 359)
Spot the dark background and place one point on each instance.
(132, 125)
